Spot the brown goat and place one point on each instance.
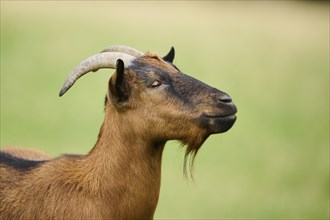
(149, 101)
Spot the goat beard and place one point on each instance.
(192, 144)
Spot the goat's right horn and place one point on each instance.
(123, 49)
(94, 63)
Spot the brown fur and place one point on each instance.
(154, 60)
(29, 154)
(120, 177)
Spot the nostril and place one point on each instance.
(225, 98)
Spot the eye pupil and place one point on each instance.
(155, 83)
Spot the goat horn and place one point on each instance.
(94, 63)
(123, 49)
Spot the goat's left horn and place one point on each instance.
(123, 49)
(94, 63)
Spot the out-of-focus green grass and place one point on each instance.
(271, 57)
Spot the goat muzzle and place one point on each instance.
(221, 121)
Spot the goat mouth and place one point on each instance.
(218, 124)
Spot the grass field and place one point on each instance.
(271, 57)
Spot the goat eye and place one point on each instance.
(156, 83)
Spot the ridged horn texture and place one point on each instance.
(123, 49)
(106, 59)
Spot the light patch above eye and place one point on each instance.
(155, 83)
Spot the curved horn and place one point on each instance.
(94, 63)
(123, 49)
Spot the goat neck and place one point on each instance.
(130, 166)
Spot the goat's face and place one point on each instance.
(168, 104)
(155, 100)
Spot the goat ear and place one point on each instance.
(118, 85)
(170, 56)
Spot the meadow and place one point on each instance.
(272, 58)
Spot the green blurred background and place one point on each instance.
(271, 57)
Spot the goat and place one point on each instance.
(148, 102)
